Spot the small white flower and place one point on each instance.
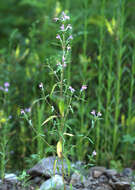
(94, 153)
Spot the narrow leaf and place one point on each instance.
(48, 119)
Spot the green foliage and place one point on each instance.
(116, 165)
(128, 138)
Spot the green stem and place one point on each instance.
(119, 74)
(108, 102)
(100, 79)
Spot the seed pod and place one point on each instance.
(59, 149)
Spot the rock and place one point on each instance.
(7, 186)
(11, 178)
(111, 183)
(96, 171)
(91, 183)
(68, 187)
(122, 185)
(77, 180)
(46, 166)
(127, 172)
(110, 172)
(37, 180)
(115, 178)
(104, 187)
(55, 182)
(103, 179)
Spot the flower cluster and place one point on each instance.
(5, 88)
(62, 18)
(26, 110)
(71, 89)
(93, 112)
(65, 42)
(84, 87)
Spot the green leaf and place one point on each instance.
(61, 107)
(129, 139)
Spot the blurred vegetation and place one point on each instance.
(103, 57)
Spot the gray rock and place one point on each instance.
(127, 172)
(55, 182)
(103, 179)
(122, 185)
(91, 183)
(37, 180)
(96, 171)
(115, 178)
(11, 178)
(77, 180)
(46, 166)
(110, 172)
(104, 187)
(68, 187)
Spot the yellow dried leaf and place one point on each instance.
(59, 149)
(48, 119)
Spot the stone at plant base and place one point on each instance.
(110, 172)
(77, 180)
(103, 179)
(127, 172)
(96, 171)
(104, 187)
(54, 182)
(122, 185)
(11, 178)
(91, 183)
(37, 180)
(46, 166)
(68, 187)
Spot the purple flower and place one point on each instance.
(6, 90)
(93, 112)
(6, 84)
(65, 17)
(62, 27)
(28, 110)
(84, 87)
(58, 36)
(99, 114)
(22, 111)
(71, 89)
(94, 153)
(70, 37)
